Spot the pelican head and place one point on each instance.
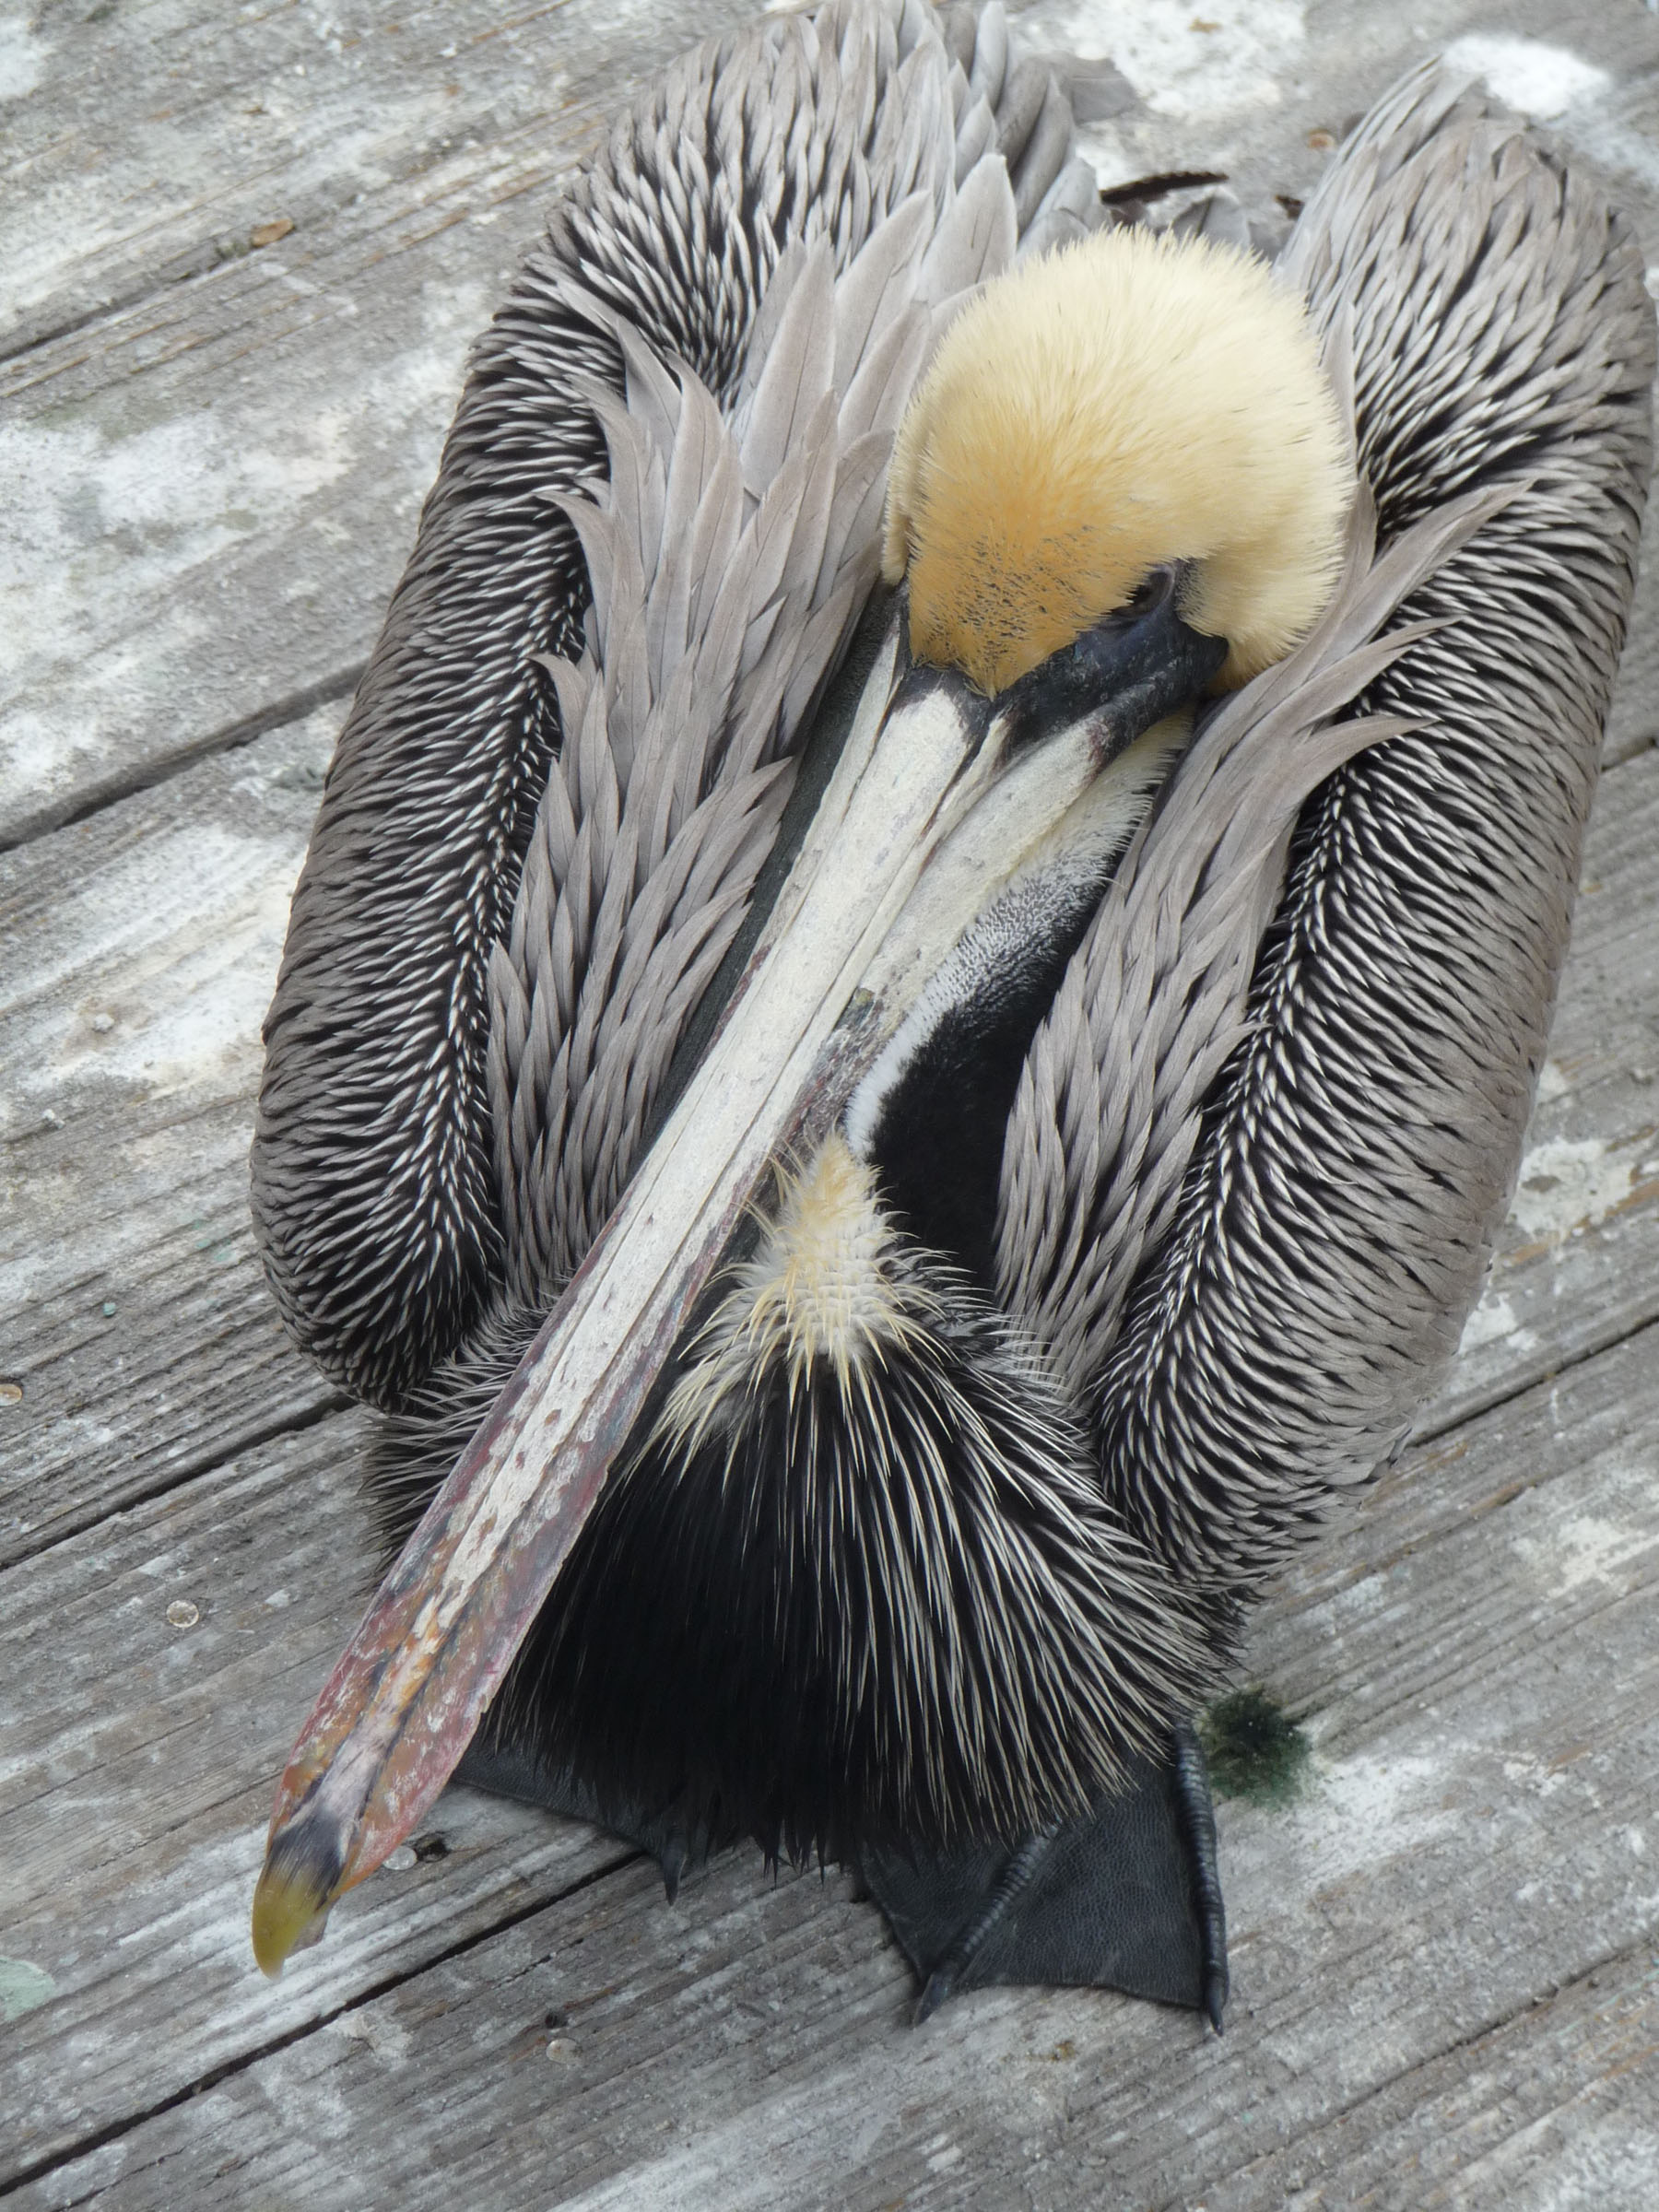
(1134, 402)
(870, 1580)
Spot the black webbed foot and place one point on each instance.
(1127, 1897)
(506, 1771)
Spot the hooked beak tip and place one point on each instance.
(299, 1882)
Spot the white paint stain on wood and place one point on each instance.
(133, 539)
(109, 514)
(1531, 76)
(23, 1986)
(1370, 1807)
(1590, 1549)
(23, 57)
(373, 2031)
(1552, 1082)
(1185, 60)
(1493, 1320)
(1553, 85)
(1566, 1184)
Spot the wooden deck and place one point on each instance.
(241, 252)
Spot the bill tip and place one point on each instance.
(292, 1904)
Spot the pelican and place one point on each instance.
(913, 1002)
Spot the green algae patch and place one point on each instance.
(22, 1987)
(1254, 1749)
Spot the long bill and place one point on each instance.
(923, 754)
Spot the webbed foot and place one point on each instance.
(505, 1770)
(1127, 1897)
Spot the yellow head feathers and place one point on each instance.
(1131, 400)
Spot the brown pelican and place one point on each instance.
(885, 1146)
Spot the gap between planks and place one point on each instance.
(96, 796)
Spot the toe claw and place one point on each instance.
(940, 1983)
(671, 1864)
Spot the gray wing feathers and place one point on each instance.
(1111, 1100)
(1020, 111)
(375, 1170)
(728, 555)
(1355, 1153)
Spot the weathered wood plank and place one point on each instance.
(163, 916)
(1476, 1841)
(217, 485)
(137, 955)
(212, 122)
(218, 506)
(153, 1672)
(1559, 2106)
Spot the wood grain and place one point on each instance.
(221, 478)
(1474, 1841)
(137, 955)
(158, 139)
(154, 1672)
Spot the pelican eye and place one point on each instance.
(1126, 671)
(1150, 592)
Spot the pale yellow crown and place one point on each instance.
(1131, 400)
